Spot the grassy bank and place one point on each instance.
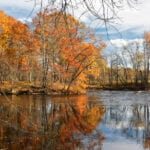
(20, 88)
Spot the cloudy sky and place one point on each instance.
(133, 21)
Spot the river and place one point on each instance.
(100, 120)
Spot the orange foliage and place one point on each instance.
(58, 41)
(63, 39)
(82, 120)
(16, 42)
(147, 37)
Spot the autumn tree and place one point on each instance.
(5, 23)
(17, 46)
(65, 54)
(146, 57)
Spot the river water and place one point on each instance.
(100, 120)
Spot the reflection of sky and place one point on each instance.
(121, 126)
(120, 136)
(115, 139)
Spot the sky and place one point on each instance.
(131, 25)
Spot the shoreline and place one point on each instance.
(38, 90)
(122, 88)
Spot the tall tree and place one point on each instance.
(16, 44)
(65, 54)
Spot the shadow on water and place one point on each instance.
(44, 123)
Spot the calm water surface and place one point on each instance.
(101, 120)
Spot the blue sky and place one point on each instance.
(134, 21)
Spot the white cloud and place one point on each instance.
(119, 42)
(124, 42)
(130, 17)
(25, 20)
(136, 17)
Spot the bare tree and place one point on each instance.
(103, 10)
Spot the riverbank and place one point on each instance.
(120, 87)
(21, 88)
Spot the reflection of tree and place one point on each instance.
(146, 136)
(71, 122)
(58, 125)
(17, 127)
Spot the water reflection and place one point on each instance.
(127, 121)
(99, 121)
(40, 122)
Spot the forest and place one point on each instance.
(56, 53)
(64, 85)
